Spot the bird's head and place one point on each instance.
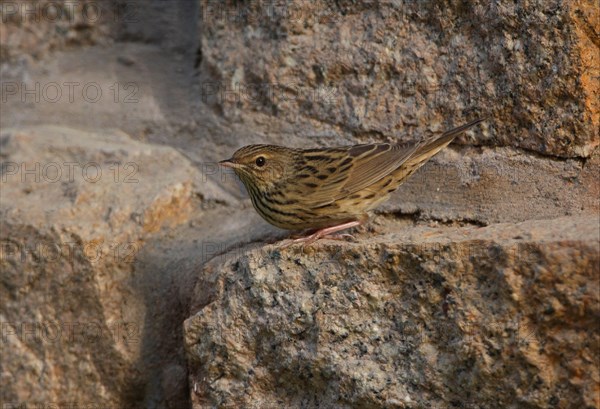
(261, 165)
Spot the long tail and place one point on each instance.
(430, 149)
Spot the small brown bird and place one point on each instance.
(328, 189)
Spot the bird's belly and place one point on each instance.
(302, 213)
(301, 217)
(307, 218)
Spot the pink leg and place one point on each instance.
(321, 233)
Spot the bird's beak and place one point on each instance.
(229, 163)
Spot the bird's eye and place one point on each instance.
(260, 161)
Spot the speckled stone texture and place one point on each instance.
(475, 286)
(384, 70)
(77, 209)
(495, 304)
(425, 317)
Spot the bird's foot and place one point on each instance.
(321, 234)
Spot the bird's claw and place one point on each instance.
(323, 233)
(305, 241)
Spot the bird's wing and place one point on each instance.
(359, 168)
(373, 164)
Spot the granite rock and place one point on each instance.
(378, 71)
(415, 316)
(77, 209)
(474, 286)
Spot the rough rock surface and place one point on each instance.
(429, 317)
(206, 77)
(76, 208)
(494, 185)
(381, 70)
